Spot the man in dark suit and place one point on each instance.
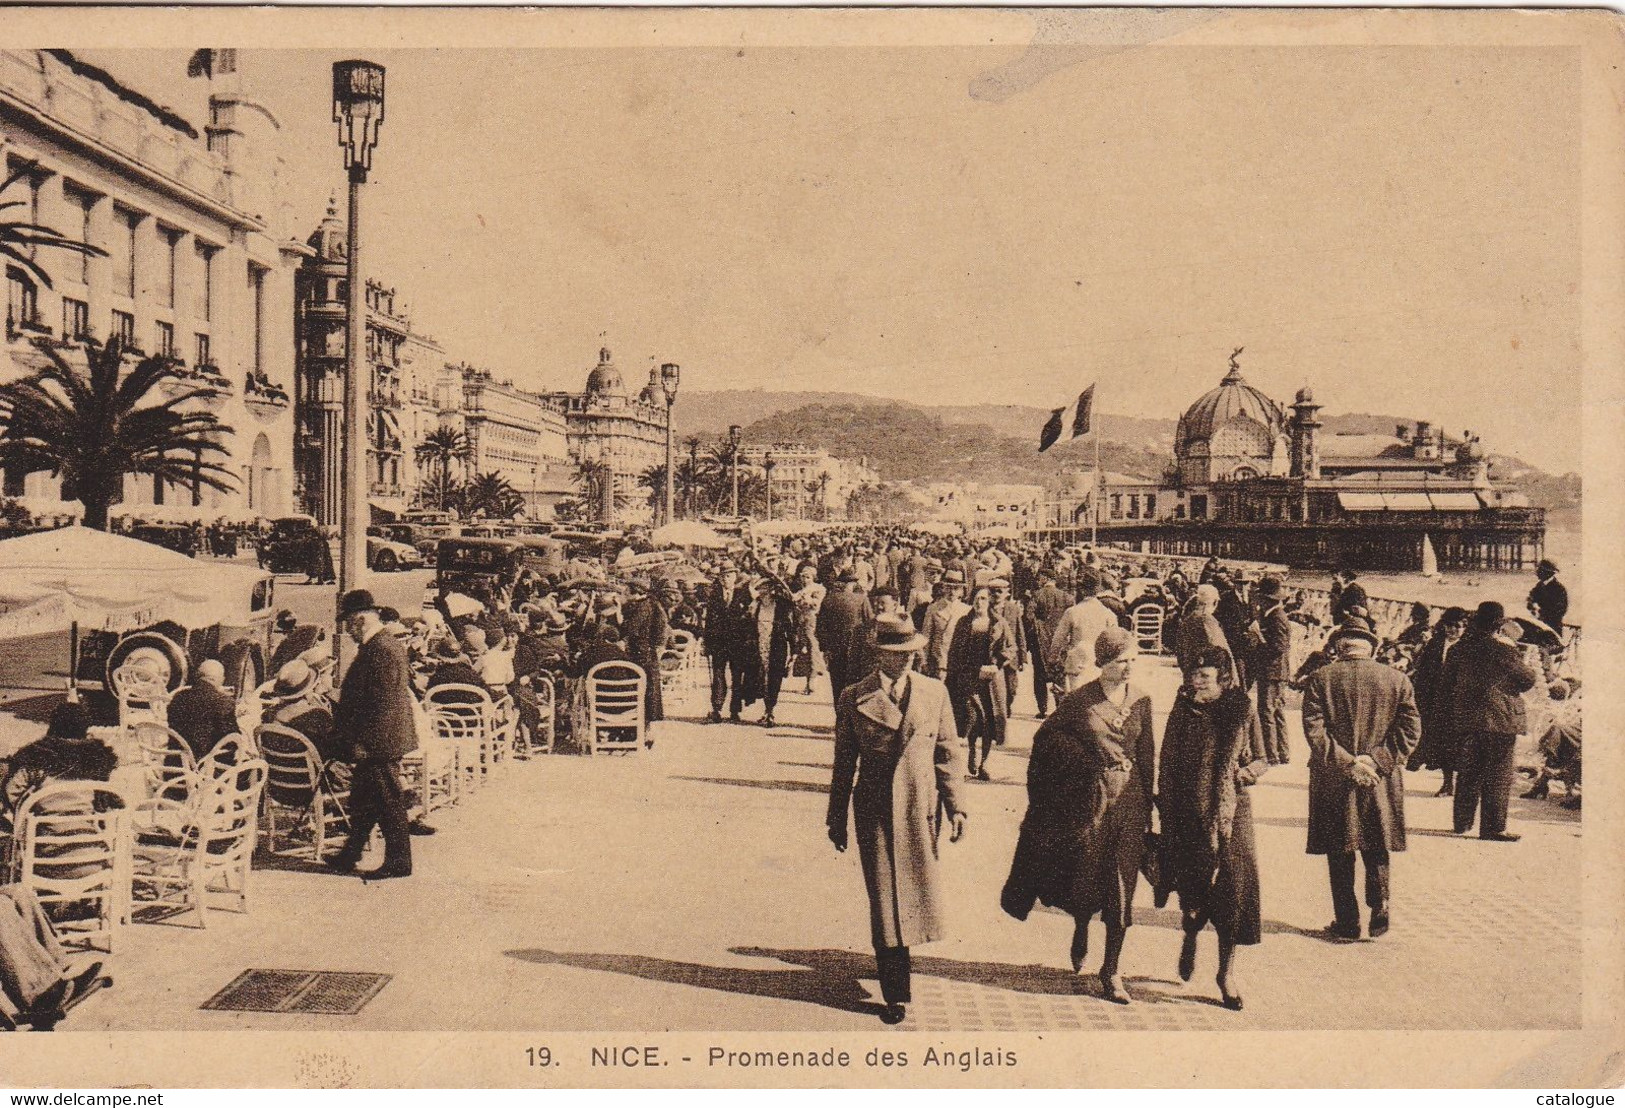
(1485, 678)
(1271, 668)
(846, 612)
(1044, 611)
(375, 716)
(204, 713)
(1549, 600)
(1361, 723)
(730, 637)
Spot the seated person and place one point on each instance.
(36, 977)
(66, 752)
(452, 667)
(204, 712)
(294, 703)
(1560, 748)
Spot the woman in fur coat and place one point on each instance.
(1212, 751)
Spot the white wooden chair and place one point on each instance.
(71, 848)
(1147, 620)
(230, 751)
(504, 728)
(297, 781)
(615, 716)
(185, 852)
(167, 762)
(688, 649)
(142, 695)
(547, 714)
(464, 715)
(432, 771)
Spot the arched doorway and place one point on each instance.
(259, 475)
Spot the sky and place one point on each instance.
(1397, 227)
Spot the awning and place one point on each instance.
(1407, 502)
(392, 426)
(1455, 501)
(1360, 501)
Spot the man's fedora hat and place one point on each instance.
(895, 633)
(357, 600)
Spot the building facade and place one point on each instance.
(808, 482)
(1254, 478)
(608, 427)
(517, 435)
(199, 264)
(402, 393)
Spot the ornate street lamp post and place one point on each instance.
(767, 465)
(669, 374)
(733, 457)
(358, 109)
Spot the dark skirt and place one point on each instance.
(1231, 902)
(1109, 870)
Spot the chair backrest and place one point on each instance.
(615, 694)
(680, 640)
(167, 762)
(1148, 626)
(72, 840)
(293, 768)
(230, 751)
(227, 810)
(546, 692)
(461, 722)
(465, 695)
(141, 694)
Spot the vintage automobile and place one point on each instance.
(242, 642)
(294, 545)
(179, 537)
(463, 563)
(387, 556)
(424, 537)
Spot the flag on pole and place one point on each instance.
(1052, 430)
(1086, 405)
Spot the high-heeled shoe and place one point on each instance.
(1187, 957)
(1230, 993)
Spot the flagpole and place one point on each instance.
(1100, 488)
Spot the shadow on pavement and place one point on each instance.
(833, 984)
(778, 786)
(1170, 920)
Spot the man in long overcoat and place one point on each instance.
(1361, 723)
(376, 717)
(729, 642)
(845, 613)
(894, 769)
(1044, 611)
(644, 627)
(1271, 668)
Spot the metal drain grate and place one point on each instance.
(310, 992)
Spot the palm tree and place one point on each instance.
(820, 489)
(93, 429)
(654, 479)
(439, 449)
(595, 479)
(492, 496)
(689, 482)
(19, 237)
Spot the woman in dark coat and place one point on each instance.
(1212, 751)
(982, 645)
(1437, 750)
(1088, 809)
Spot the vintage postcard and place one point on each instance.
(837, 548)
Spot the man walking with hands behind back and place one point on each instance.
(895, 738)
(1360, 720)
(375, 717)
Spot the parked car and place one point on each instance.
(296, 545)
(387, 555)
(179, 537)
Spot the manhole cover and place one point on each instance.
(313, 992)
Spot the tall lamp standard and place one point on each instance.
(358, 109)
(669, 374)
(733, 456)
(767, 465)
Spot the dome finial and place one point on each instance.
(1235, 366)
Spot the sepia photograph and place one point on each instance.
(808, 547)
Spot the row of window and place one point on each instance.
(76, 325)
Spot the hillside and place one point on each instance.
(998, 442)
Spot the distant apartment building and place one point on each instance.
(808, 482)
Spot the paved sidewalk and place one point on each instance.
(692, 888)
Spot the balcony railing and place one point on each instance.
(384, 398)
